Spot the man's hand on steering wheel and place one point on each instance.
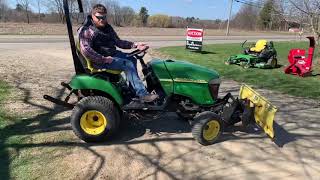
(140, 51)
(141, 46)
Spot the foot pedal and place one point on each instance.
(137, 105)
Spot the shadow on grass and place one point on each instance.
(279, 66)
(270, 68)
(203, 52)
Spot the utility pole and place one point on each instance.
(230, 12)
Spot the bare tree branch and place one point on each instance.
(26, 6)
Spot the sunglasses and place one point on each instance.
(101, 17)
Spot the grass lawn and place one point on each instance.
(273, 79)
(31, 146)
(4, 120)
(4, 91)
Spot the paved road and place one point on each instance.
(158, 149)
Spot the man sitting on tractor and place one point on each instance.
(98, 42)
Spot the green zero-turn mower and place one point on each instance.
(260, 55)
(104, 98)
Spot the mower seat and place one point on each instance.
(87, 64)
(259, 46)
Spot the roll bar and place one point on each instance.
(76, 61)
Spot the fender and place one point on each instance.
(81, 82)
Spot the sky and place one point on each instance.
(203, 9)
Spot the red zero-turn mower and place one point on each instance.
(299, 63)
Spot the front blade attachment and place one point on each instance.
(264, 111)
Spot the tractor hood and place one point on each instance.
(181, 71)
(186, 79)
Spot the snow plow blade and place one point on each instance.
(264, 111)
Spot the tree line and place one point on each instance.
(279, 15)
(273, 15)
(51, 11)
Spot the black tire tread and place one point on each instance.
(108, 106)
(199, 122)
(270, 62)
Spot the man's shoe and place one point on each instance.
(149, 98)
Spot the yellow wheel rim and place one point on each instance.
(93, 122)
(211, 130)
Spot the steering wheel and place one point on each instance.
(137, 52)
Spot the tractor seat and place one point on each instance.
(87, 64)
(259, 46)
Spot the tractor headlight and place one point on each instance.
(214, 85)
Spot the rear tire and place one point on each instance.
(207, 128)
(95, 119)
(273, 62)
(245, 65)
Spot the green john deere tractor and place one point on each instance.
(104, 97)
(260, 55)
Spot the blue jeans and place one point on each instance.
(129, 66)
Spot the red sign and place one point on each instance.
(194, 39)
(195, 33)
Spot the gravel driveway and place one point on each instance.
(162, 148)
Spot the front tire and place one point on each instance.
(207, 128)
(95, 119)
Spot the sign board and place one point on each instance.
(194, 39)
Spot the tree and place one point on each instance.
(159, 20)
(190, 19)
(143, 14)
(281, 12)
(178, 22)
(19, 7)
(3, 10)
(74, 10)
(246, 18)
(56, 6)
(265, 19)
(39, 4)
(127, 15)
(26, 7)
(87, 5)
(311, 9)
(115, 9)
